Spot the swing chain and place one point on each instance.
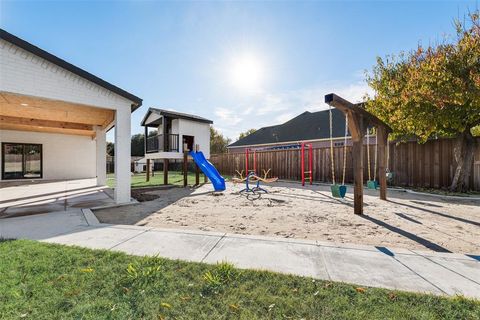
(388, 155)
(375, 157)
(375, 161)
(368, 153)
(345, 149)
(331, 143)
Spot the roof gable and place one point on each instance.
(4, 35)
(174, 115)
(304, 127)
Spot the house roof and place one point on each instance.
(304, 127)
(137, 102)
(175, 115)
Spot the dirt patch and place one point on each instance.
(145, 194)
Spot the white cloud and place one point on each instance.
(247, 111)
(269, 109)
(354, 92)
(228, 116)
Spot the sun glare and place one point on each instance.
(247, 73)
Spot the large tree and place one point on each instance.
(137, 145)
(218, 143)
(110, 148)
(246, 133)
(434, 91)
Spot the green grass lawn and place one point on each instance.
(45, 281)
(174, 177)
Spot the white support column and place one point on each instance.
(101, 141)
(122, 156)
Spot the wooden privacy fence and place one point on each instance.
(111, 165)
(429, 165)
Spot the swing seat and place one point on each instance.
(372, 184)
(389, 176)
(338, 191)
(343, 190)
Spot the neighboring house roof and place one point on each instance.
(175, 115)
(304, 127)
(137, 102)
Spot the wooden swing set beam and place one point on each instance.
(358, 120)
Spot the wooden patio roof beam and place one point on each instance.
(20, 127)
(45, 123)
(13, 105)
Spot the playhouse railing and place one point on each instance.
(158, 143)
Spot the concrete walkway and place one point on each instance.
(402, 269)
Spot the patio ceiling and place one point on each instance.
(27, 113)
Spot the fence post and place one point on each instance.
(165, 171)
(197, 169)
(148, 171)
(185, 168)
(382, 140)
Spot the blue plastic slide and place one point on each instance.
(209, 170)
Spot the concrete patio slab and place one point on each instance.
(279, 256)
(448, 255)
(34, 197)
(97, 237)
(446, 280)
(466, 268)
(32, 209)
(270, 238)
(173, 245)
(373, 269)
(42, 226)
(89, 200)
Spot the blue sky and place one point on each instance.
(185, 56)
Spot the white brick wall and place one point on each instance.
(64, 156)
(24, 73)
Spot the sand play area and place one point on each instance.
(291, 211)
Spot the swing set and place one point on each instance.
(357, 120)
(340, 190)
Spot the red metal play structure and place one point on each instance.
(306, 161)
(247, 152)
(309, 173)
(251, 175)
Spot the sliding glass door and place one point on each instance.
(21, 161)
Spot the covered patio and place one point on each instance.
(53, 122)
